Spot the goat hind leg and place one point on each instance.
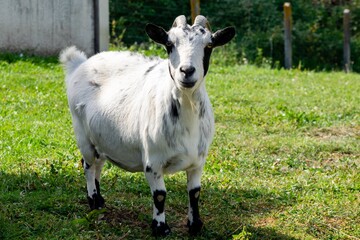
(92, 165)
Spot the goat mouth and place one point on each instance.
(187, 84)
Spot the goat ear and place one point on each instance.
(222, 36)
(156, 33)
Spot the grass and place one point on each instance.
(284, 163)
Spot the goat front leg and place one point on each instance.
(194, 186)
(155, 178)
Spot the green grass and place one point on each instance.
(284, 163)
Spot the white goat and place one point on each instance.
(146, 114)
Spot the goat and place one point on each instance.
(146, 114)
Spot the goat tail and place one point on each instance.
(71, 58)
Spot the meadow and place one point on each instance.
(284, 163)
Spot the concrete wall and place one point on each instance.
(44, 27)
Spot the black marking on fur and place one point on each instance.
(196, 226)
(169, 136)
(202, 109)
(172, 77)
(168, 163)
(206, 59)
(150, 69)
(169, 48)
(204, 134)
(162, 230)
(159, 197)
(201, 146)
(87, 166)
(199, 30)
(95, 84)
(186, 29)
(174, 110)
(96, 154)
(148, 169)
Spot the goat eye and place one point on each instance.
(209, 45)
(168, 44)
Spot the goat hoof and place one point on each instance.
(96, 202)
(160, 231)
(195, 227)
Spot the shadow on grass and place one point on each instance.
(60, 196)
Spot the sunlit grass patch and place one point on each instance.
(284, 163)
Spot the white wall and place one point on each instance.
(45, 27)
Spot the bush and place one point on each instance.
(317, 27)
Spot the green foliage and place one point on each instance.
(243, 235)
(284, 162)
(317, 28)
(128, 18)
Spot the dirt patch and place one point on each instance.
(115, 216)
(336, 133)
(335, 161)
(266, 222)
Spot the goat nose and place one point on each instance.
(187, 70)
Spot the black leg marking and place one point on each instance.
(159, 228)
(162, 230)
(96, 201)
(174, 110)
(159, 200)
(196, 225)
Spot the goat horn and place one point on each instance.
(202, 21)
(179, 21)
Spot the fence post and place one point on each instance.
(195, 9)
(287, 36)
(101, 25)
(346, 22)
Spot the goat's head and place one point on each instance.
(189, 48)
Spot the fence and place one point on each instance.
(44, 27)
